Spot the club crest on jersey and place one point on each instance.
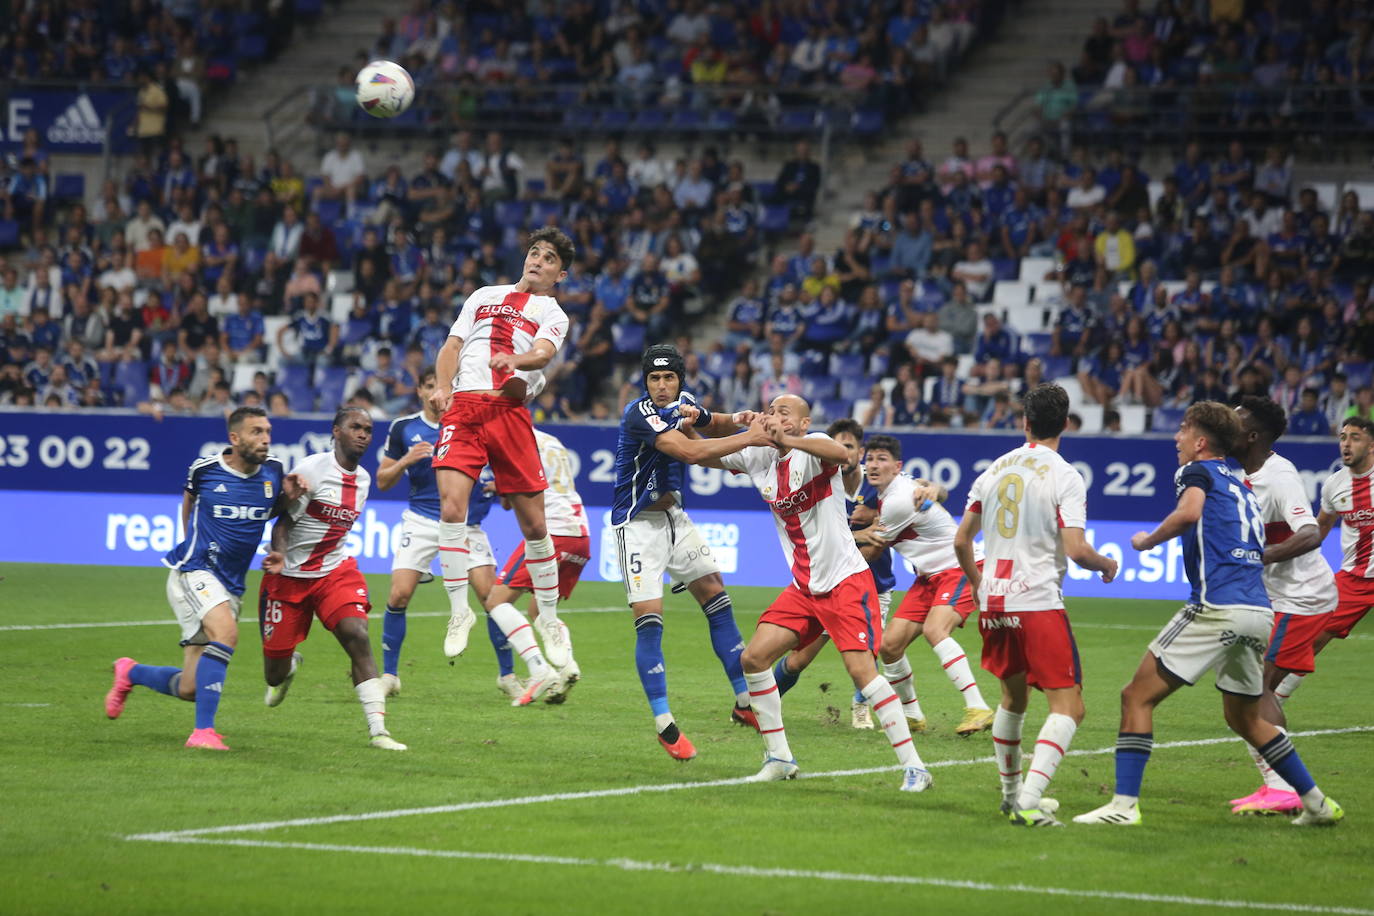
(794, 478)
(267, 489)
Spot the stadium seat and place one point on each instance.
(132, 378)
(1091, 415)
(69, 186)
(333, 386)
(721, 119)
(813, 364)
(580, 119)
(833, 409)
(614, 119)
(1005, 269)
(1034, 270)
(1364, 189)
(798, 120)
(651, 119)
(250, 47)
(1057, 366)
(510, 214)
(541, 210)
(1132, 419)
(339, 281)
(309, 9)
(340, 304)
(847, 365)
(867, 122)
(329, 210)
(9, 233)
(1012, 292)
(628, 337)
(1327, 196)
(1358, 375)
(1166, 419)
(853, 388)
(1026, 319)
(821, 386)
(1037, 344)
(243, 376)
(536, 187)
(776, 218)
(687, 119)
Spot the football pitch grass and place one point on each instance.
(576, 809)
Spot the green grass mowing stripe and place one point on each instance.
(746, 871)
(173, 835)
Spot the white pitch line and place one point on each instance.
(168, 622)
(176, 835)
(745, 871)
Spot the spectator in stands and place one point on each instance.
(1115, 249)
(150, 124)
(974, 271)
(798, 182)
(1055, 103)
(959, 317)
(344, 173)
(1363, 405)
(316, 335)
(1275, 177)
(1308, 419)
(910, 249)
(241, 337)
(928, 345)
(502, 169)
(741, 390)
(906, 407)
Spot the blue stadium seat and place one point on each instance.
(776, 218)
(614, 119)
(814, 389)
(541, 210)
(9, 233)
(855, 387)
(651, 119)
(721, 119)
(333, 380)
(250, 47)
(132, 379)
(814, 364)
(1358, 375)
(69, 186)
(867, 122)
(1037, 344)
(309, 8)
(799, 120)
(832, 409)
(1057, 366)
(847, 365)
(580, 118)
(535, 187)
(687, 119)
(329, 210)
(764, 190)
(511, 214)
(1005, 268)
(628, 337)
(1166, 419)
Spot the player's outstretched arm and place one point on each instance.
(1305, 539)
(1077, 548)
(1325, 522)
(823, 447)
(925, 490)
(275, 561)
(1184, 516)
(695, 450)
(445, 368)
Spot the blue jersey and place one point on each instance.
(227, 518)
(1223, 554)
(480, 502)
(405, 432)
(881, 565)
(642, 472)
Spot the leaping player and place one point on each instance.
(1298, 580)
(939, 600)
(502, 338)
(309, 575)
(832, 589)
(1036, 509)
(228, 499)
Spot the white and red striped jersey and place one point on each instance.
(1348, 495)
(1024, 498)
(563, 512)
(925, 538)
(323, 515)
(1302, 585)
(807, 499)
(497, 319)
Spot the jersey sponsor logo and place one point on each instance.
(1253, 556)
(242, 513)
(1360, 518)
(795, 503)
(335, 515)
(508, 314)
(656, 423)
(999, 623)
(1231, 638)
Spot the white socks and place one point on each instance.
(880, 695)
(1006, 743)
(1287, 686)
(372, 695)
(1050, 747)
(898, 675)
(541, 559)
(453, 561)
(520, 636)
(955, 663)
(767, 705)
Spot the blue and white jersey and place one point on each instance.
(482, 498)
(867, 495)
(1223, 554)
(642, 472)
(227, 518)
(405, 432)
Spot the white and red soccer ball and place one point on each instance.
(384, 89)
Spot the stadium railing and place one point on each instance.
(1316, 118)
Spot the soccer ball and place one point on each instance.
(384, 89)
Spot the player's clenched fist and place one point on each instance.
(274, 562)
(419, 451)
(440, 398)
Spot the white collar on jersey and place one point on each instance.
(224, 464)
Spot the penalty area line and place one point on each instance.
(746, 871)
(622, 791)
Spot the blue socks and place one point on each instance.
(210, 672)
(726, 639)
(649, 661)
(785, 678)
(156, 677)
(505, 659)
(393, 635)
(1132, 753)
(1283, 757)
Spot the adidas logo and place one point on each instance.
(217, 687)
(78, 124)
(416, 438)
(656, 669)
(221, 489)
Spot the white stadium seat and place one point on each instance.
(1035, 270)
(1012, 293)
(1091, 415)
(1132, 419)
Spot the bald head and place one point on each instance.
(793, 403)
(792, 412)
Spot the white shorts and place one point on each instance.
(657, 541)
(192, 595)
(1230, 643)
(419, 545)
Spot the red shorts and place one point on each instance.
(1290, 642)
(849, 613)
(1356, 597)
(287, 604)
(1039, 644)
(574, 552)
(487, 429)
(943, 589)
